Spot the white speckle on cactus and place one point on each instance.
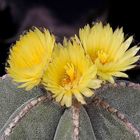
(7, 131)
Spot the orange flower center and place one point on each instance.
(70, 76)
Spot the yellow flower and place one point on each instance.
(30, 56)
(70, 73)
(108, 50)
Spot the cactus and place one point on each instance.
(112, 114)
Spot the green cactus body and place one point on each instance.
(112, 114)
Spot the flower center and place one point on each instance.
(69, 76)
(102, 56)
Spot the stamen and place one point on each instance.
(102, 56)
(70, 71)
(69, 75)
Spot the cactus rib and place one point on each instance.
(22, 113)
(120, 83)
(75, 120)
(103, 104)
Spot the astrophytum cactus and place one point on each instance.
(69, 91)
(112, 114)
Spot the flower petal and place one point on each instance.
(87, 92)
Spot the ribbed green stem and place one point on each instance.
(103, 104)
(21, 114)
